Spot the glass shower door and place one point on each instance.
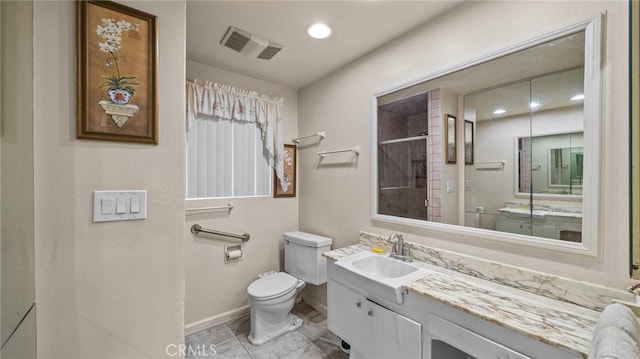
(402, 190)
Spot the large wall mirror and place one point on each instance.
(533, 112)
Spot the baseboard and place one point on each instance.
(195, 327)
(314, 304)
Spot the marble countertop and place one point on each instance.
(538, 214)
(562, 325)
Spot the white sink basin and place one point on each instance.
(385, 267)
(378, 275)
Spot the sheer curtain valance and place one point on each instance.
(206, 100)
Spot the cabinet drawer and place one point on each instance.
(470, 343)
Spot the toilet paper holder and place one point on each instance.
(232, 253)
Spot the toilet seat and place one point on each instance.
(272, 286)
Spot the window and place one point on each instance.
(226, 158)
(234, 138)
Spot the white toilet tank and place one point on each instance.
(303, 256)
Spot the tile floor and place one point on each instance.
(229, 340)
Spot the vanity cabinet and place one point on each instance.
(371, 329)
(556, 227)
(421, 327)
(527, 227)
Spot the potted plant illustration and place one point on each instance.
(120, 88)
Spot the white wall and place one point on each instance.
(216, 291)
(336, 200)
(449, 202)
(17, 284)
(114, 289)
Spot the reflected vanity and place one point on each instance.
(522, 161)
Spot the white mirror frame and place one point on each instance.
(593, 128)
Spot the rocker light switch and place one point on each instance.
(106, 206)
(119, 205)
(135, 205)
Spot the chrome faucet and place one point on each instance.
(399, 251)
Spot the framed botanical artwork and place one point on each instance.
(289, 188)
(468, 142)
(116, 73)
(450, 138)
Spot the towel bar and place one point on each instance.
(355, 150)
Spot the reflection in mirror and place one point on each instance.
(402, 162)
(450, 135)
(565, 167)
(468, 142)
(557, 163)
(538, 112)
(529, 131)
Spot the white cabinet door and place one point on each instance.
(345, 313)
(370, 329)
(390, 335)
(504, 224)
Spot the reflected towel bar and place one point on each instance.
(406, 139)
(490, 165)
(197, 229)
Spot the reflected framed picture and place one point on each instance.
(468, 142)
(450, 136)
(116, 73)
(289, 187)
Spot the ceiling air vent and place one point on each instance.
(249, 44)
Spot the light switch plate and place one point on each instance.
(450, 186)
(117, 205)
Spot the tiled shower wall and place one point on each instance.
(525, 162)
(434, 155)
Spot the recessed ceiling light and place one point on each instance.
(578, 97)
(499, 111)
(319, 30)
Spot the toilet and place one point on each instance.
(272, 295)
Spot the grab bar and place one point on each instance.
(197, 229)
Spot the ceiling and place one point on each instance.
(358, 28)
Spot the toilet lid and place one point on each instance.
(272, 285)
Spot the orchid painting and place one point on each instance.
(119, 88)
(116, 54)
